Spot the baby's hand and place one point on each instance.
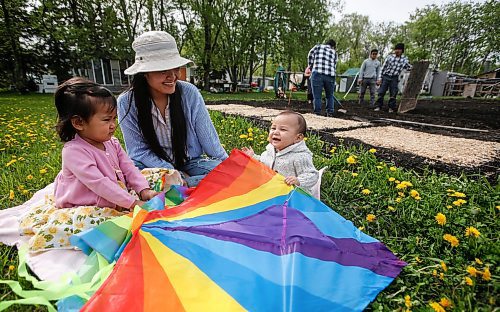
(292, 181)
(248, 150)
(147, 194)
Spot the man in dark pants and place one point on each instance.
(389, 78)
(322, 60)
(368, 75)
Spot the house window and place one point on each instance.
(97, 69)
(124, 78)
(102, 72)
(106, 71)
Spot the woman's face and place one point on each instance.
(162, 82)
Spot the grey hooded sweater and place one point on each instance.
(294, 160)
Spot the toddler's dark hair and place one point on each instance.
(300, 119)
(79, 97)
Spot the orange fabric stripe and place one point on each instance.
(159, 294)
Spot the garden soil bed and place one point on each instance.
(441, 119)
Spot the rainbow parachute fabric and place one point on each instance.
(244, 240)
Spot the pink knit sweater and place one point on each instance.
(89, 176)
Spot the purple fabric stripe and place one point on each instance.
(264, 231)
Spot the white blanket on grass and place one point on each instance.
(47, 265)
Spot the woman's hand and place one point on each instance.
(292, 181)
(147, 194)
(248, 150)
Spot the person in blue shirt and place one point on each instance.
(164, 120)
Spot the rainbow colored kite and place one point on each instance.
(244, 240)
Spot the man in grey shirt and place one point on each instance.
(370, 70)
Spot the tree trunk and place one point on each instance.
(207, 52)
(265, 50)
(126, 19)
(151, 15)
(250, 65)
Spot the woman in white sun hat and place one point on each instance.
(164, 120)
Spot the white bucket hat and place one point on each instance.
(155, 51)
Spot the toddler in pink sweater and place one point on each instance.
(96, 171)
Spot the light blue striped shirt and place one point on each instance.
(201, 135)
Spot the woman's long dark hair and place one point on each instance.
(143, 103)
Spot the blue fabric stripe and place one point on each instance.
(302, 282)
(326, 219)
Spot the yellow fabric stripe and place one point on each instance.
(196, 291)
(274, 187)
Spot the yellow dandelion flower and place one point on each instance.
(434, 272)
(10, 162)
(392, 168)
(366, 192)
(361, 228)
(478, 261)
(408, 301)
(370, 217)
(497, 207)
(437, 307)
(449, 206)
(472, 231)
(459, 202)
(458, 194)
(418, 259)
(472, 271)
(486, 274)
(351, 159)
(391, 208)
(25, 192)
(372, 150)
(11, 267)
(391, 179)
(418, 198)
(243, 136)
(443, 266)
(250, 130)
(453, 240)
(11, 194)
(354, 174)
(441, 276)
(305, 139)
(445, 302)
(403, 185)
(43, 171)
(414, 193)
(440, 219)
(379, 167)
(398, 200)
(332, 151)
(469, 281)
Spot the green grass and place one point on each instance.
(30, 159)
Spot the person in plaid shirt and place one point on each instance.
(389, 77)
(322, 61)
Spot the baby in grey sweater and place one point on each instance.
(287, 152)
